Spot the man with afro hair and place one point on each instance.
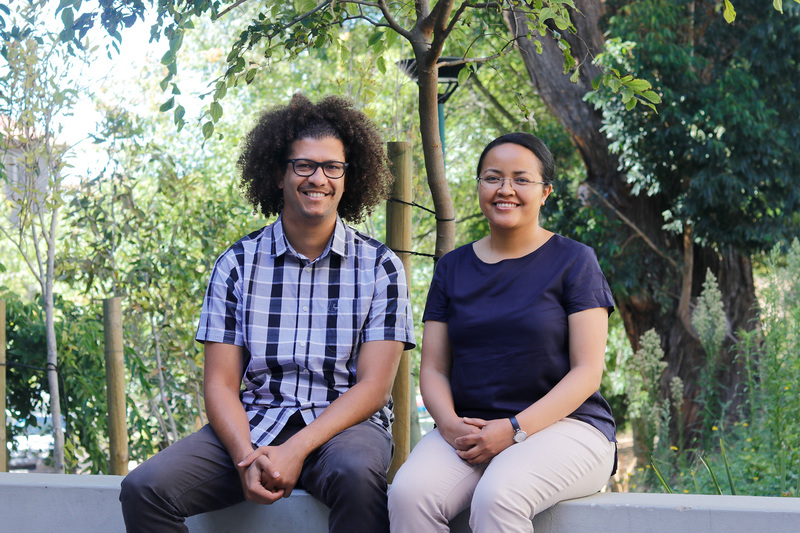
(303, 325)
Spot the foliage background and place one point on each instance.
(148, 218)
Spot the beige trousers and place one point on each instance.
(567, 460)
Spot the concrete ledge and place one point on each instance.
(37, 503)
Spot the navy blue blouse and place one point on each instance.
(507, 326)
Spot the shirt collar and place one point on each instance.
(337, 244)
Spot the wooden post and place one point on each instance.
(3, 444)
(115, 386)
(398, 237)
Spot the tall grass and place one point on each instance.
(759, 453)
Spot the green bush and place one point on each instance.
(759, 452)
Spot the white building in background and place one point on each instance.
(21, 186)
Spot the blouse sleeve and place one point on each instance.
(585, 285)
(437, 304)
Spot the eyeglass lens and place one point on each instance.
(307, 167)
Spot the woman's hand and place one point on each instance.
(456, 429)
(491, 438)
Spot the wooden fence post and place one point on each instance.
(115, 386)
(3, 444)
(398, 237)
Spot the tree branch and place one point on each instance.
(633, 226)
(392, 22)
(492, 100)
(228, 10)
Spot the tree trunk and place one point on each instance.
(664, 252)
(427, 54)
(59, 463)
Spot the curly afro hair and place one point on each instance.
(268, 145)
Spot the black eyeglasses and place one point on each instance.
(306, 168)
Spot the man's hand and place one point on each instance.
(270, 473)
(483, 445)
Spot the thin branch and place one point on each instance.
(228, 9)
(633, 226)
(454, 19)
(492, 100)
(392, 22)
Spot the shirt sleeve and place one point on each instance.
(438, 303)
(585, 285)
(220, 318)
(389, 315)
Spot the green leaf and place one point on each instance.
(576, 75)
(174, 45)
(222, 90)
(652, 96)
(216, 111)
(729, 13)
(639, 85)
(166, 106)
(208, 129)
(68, 17)
(714, 481)
(374, 38)
(627, 95)
(63, 4)
(168, 57)
(463, 74)
(631, 104)
(660, 476)
(179, 113)
(381, 64)
(727, 467)
(304, 6)
(597, 81)
(778, 4)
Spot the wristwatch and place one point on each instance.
(519, 435)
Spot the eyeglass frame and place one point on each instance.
(512, 182)
(318, 165)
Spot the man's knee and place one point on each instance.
(137, 487)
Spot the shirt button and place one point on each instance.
(305, 308)
(302, 343)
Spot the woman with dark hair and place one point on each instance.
(512, 356)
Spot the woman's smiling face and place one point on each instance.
(510, 206)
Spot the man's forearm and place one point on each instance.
(228, 419)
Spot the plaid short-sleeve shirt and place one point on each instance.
(302, 323)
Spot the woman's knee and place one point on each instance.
(406, 492)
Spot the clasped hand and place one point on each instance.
(482, 440)
(269, 473)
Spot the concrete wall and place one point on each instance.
(48, 503)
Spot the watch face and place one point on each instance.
(520, 436)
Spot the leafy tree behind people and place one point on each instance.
(36, 93)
